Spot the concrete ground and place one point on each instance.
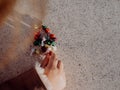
(88, 34)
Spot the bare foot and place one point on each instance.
(54, 71)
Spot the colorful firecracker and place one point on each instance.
(44, 41)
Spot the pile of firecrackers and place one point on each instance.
(44, 42)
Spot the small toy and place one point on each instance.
(44, 41)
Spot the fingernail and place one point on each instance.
(50, 53)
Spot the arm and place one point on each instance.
(49, 76)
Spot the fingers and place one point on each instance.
(53, 61)
(60, 65)
(45, 61)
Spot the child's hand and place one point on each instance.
(54, 71)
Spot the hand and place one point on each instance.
(54, 71)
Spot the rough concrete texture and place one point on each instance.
(88, 42)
